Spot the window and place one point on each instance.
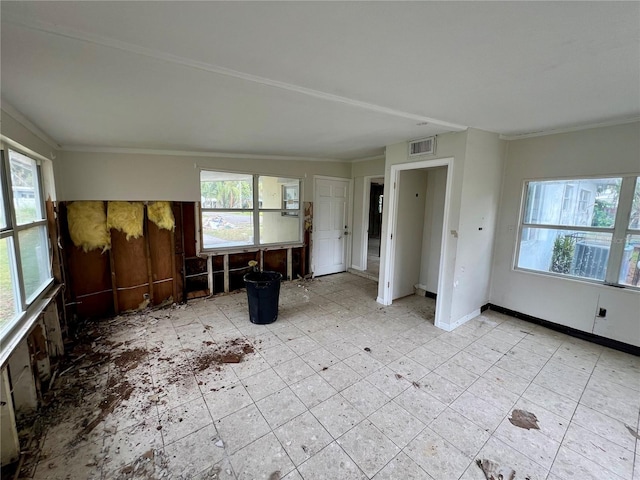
(243, 210)
(594, 235)
(24, 246)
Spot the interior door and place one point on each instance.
(330, 227)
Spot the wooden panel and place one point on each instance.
(297, 256)
(160, 251)
(276, 261)
(96, 305)
(130, 268)
(179, 254)
(238, 266)
(196, 265)
(90, 271)
(197, 278)
(88, 275)
(189, 229)
(217, 263)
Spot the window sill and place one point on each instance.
(584, 281)
(21, 328)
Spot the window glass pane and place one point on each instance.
(226, 190)
(588, 202)
(278, 192)
(227, 229)
(634, 219)
(34, 259)
(279, 227)
(26, 188)
(567, 252)
(630, 266)
(8, 287)
(3, 214)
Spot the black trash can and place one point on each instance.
(263, 293)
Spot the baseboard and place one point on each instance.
(465, 319)
(380, 300)
(427, 293)
(590, 337)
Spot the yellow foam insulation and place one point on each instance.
(126, 217)
(88, 226)
(161, 214)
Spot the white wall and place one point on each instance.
(358, 229)
(473, 205)
(598, 151)
(481, 185)
(432, 233)
(412, 186)
(451, 145)
(137, 176)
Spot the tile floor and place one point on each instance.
(342, 388)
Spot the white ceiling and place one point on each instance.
(314, 79)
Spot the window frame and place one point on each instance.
(256, 210)
(12, 231)
(619, 231)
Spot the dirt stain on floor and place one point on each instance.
(130, 359)
(232, 351)
(105, 375)
(524, 419)
(493, 471)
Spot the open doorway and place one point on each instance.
(374, 227)
(415, 243)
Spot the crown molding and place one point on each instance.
(366, 159)
(113, 43)
(576, 128)
(191, 153)
(7, 108)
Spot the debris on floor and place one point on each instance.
(106, 390)
(524, 419)
(493, 471)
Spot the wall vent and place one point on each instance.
(425, 146)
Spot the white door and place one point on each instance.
(330, 227)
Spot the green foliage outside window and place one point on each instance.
(563, 249)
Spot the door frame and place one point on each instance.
(390, 248)
(349, 220)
